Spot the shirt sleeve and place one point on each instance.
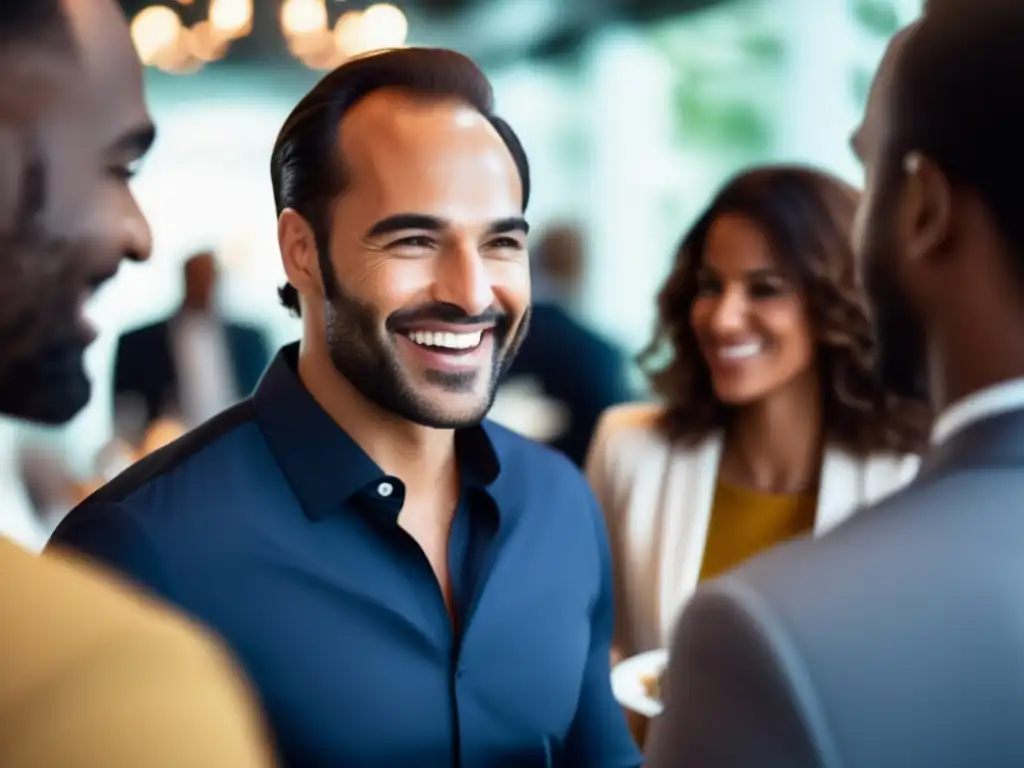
(599, 736)
(112, 537)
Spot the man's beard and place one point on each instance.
(901, 345)
(902, 348)
(42, 372)
(361, 353)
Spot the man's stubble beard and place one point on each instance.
(901, 345)
(42, 370)
(361, 354)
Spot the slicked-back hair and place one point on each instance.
(307, 174)
(955, 98)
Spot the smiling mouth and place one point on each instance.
(448, 342)
(739, 352)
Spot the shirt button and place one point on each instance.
(385, 489)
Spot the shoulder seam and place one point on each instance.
(171, 456)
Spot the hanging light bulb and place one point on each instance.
(161, 41)
(231, 18)
(155, 30)
(303, 17)
(384, 26)
(205, 43)
(348, 34)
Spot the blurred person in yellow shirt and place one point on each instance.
(91, 674)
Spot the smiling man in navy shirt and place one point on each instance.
(406, 584)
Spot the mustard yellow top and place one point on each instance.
(744, 522)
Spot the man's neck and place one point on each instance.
(775, 445)
(196, 310)
(959, 368)
(422, 457)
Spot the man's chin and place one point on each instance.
(448, 411)
(49, 388)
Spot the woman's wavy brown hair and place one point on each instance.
(807, 217)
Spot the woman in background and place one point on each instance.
(772, 423)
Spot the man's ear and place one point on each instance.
(298, 247)
(927, 206)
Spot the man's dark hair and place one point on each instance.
(29, 20)
(305, 173)
(955, 98)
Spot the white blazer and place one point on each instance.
(657, 500)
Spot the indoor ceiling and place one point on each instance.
(456, 23)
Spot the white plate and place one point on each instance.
(628, 681)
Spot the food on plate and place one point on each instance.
(652, 683)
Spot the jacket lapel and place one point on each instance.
(840, 489)
(690, 489)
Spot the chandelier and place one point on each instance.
(163, 41)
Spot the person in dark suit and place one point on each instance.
(570, 364)
(896, 640)
(191, 365)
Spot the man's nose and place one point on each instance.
(462, 280)
(135, 235)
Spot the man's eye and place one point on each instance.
(506, 242)
(125, 172)
(416, 241)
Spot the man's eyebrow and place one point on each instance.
(404, 221)
(510, 224)
(136, 141)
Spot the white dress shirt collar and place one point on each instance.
(985, 403)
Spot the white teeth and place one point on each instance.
(446, 339)
(740, 351)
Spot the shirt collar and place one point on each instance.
(985, 403)
(324, 466)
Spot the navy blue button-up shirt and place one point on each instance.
(270, 525)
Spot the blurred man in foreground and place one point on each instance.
(804, 657)
(90, 675)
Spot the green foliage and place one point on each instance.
(877, 17)
(710, 110)
(725, 124)
(861, 85)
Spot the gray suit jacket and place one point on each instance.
(895, 641)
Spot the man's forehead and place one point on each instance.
(389, 120)
(410, 152)
(876, 107)
(108, 60)
(31, 79)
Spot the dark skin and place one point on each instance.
(79, 150)
(939, 246)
